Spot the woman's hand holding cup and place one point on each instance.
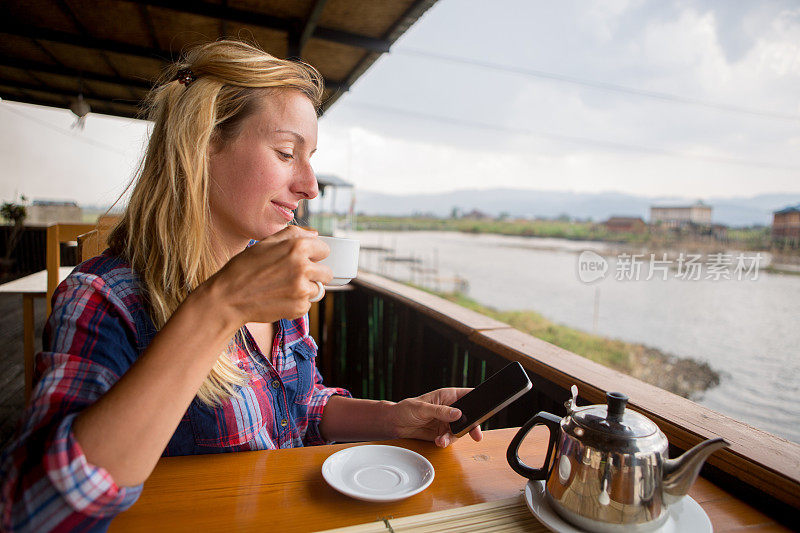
(273, 279)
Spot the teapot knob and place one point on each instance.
(616, 405)
(572, 403)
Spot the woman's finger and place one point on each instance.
(323, 273)
(476, 434)
(460, 391)
(444, 413)
(317, 292)
(445, 396)
(319, 250)
(445, 440)
(290, 232)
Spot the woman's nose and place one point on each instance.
(305, 183)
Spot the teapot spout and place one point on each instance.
(680, 473)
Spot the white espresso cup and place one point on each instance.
(343, 259)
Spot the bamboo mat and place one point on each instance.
(509, 515)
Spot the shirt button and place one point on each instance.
(275, 383)
(284, 422)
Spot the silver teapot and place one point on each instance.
(611, 471)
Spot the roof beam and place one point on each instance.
(241, 16)
(31, 66)
(69, 93)
(144, 12)
(28, 99)
(296, 48)
(43, 86)
(64, 7)
(359, 41)
(62, 4)
(98, 107)
(84, 41)
(47, 52)
(223, 24)
(222, 12)
(411, 14)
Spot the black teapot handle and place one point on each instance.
(553, 424)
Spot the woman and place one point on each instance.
(190, 334)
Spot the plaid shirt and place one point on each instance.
(98, 328)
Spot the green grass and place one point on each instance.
(683, 376)
(757, 238)
(752, 238)
(612, 353)
(522, 228)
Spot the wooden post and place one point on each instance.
(29, 345)
(53, 261)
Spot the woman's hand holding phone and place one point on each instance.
(428, 417)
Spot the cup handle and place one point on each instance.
(553, 424)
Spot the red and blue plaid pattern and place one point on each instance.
(98, 328)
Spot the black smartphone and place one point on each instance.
(494, 394)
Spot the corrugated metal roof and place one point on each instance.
(329, 179)
(790, 209)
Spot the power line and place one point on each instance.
(572, 139)
(674, 98)
(63, 131)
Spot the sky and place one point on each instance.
(655, 98)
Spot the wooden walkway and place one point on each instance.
(12, 382)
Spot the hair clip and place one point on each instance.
(185, 76)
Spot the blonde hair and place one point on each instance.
(165, 230)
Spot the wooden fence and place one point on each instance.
(384, 340)
(30, 252)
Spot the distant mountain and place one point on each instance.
(530, 203)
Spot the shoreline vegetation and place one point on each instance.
(746, 239)
(683, 376)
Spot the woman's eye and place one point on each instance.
(284, 155)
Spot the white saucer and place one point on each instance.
(376, 473)
(684, 516)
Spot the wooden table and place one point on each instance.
(283, 490)
(30, 287)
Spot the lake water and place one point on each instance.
(747, 329)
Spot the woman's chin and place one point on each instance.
(271, 229)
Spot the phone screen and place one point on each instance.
(497, 392)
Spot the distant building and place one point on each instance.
(46, 212)
(324, 217)
(786, 223)
(617, 224)
(476, 214)
(679, 216)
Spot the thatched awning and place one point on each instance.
(115, 49)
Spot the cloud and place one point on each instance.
(686, 48)
(402, 166)
(385, 135)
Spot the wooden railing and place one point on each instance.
(30, 252)
(385, 340)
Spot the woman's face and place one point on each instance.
(258, 178)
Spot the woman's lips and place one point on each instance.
(285, 212)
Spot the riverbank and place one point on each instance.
(744, 239)
(745, 330)
(683, 376)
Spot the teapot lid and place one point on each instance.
(614, 419)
